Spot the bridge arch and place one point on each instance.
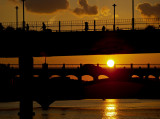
(135, 76)
(101, 77)
(35, 76)
(151, 77)
(54, 76)
(73, 77)
(87, 78)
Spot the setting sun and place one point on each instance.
(110, 63)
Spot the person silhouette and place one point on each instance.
(27, 27)
(103, 28)
(43, 26)
(117, 28)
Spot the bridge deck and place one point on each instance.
(79, 43)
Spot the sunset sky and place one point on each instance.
(53, 10)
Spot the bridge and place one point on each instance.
(79, 43)
(121, 83)
(122, 72)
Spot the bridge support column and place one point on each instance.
(131, 66)
(63, 71)
(157, 78)
(146, 77)
(26, 75)
(79, 78)
(95, 78)
(45, 76)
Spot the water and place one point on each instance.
(90, 109)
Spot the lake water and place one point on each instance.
(90, 109)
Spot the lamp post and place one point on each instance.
(16, 17)
(132, 14)
(114, 25)
(23, 17)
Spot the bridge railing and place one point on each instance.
(94, 25)
(75, 66)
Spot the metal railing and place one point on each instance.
(94, 25)
(73, 66)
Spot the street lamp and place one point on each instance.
(16, 17)
(132, 14)
(114, 25)
(23, 16)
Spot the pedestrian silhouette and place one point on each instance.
(103, 28)
(27, 27)
(117, 28)
(43, 26)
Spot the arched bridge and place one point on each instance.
(118, 72)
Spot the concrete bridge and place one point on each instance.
(118, 72)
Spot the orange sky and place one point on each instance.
(53, 10)
(152, 58)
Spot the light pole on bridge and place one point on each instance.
(23, 16)
(132, 14)
(114, 25)
(16, 17)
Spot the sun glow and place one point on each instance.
(110, 63)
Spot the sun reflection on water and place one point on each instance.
(110, 111)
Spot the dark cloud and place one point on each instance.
(86, 8)
(45, 6)
(149, 10)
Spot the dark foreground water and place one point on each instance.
(90, 109)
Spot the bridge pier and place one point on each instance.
(80, 78)
(146, 77)
(95, 78)
(157, 78)
(26, 97)
(45, 75)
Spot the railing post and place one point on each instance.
(45, 72)
(94, 25)
(71, 26)
(80, 73)
(59, 26)
(64, 66)
(81, 66)
(131, 66)
(148, 66)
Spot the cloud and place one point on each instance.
(85, 9)
(45, 6)
(149, 10)
(105, 11)
(14, 1)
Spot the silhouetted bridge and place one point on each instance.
(45, 89)
(118, 72)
